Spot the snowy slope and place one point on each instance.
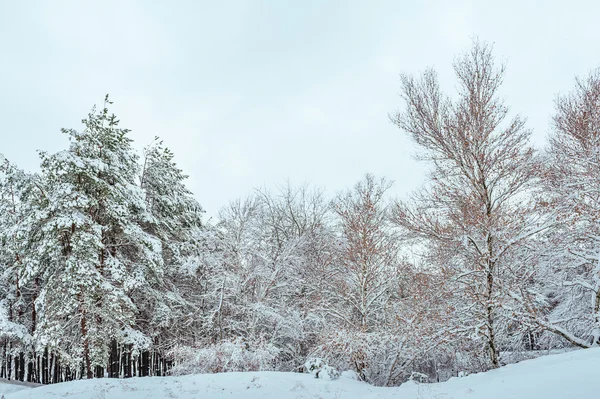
(7, 386)
(570, 375)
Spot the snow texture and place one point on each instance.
(569, 375)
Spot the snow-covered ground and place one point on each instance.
(7, 386)
(569, 375)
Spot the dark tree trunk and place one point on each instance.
(145, 368)
(114, 360)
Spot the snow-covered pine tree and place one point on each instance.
(98, 255)
(19, 285)
(172, 310)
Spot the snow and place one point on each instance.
(7, 386)
(568, 375)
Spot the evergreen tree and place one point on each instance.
(171, 308)
(92, 214)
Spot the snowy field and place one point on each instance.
(569, 375)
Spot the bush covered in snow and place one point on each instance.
(313, 365)
(418, 377)
(328, 373)
(377, 358)
(226, 356)
(319, 368)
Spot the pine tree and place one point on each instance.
(92, 213)
(18, 279)
(172, 308)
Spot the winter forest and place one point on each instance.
(107, 267)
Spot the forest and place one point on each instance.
(109, 269)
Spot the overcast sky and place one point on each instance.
(252, 93)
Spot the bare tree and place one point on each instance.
(572, 178)
(369, 253)
(474, 213)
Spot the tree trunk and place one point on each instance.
(114, 360)
(86, 349)
(490, 323)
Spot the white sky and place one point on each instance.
(252, 93)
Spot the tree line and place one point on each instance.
(108, 269)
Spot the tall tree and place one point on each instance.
(19, 285)
(170, 308)
(474, 214)
(99, 254)
(572, 177)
